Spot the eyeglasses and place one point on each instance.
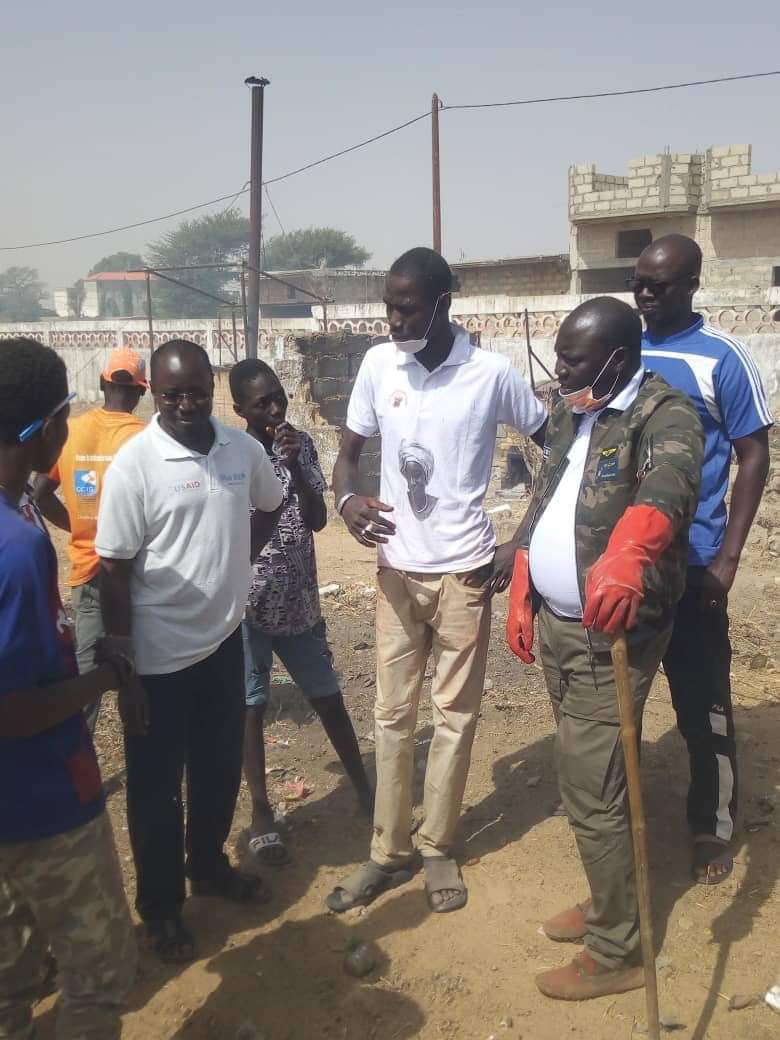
(33, 428)
(175, 397)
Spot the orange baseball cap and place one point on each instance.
(123, 359)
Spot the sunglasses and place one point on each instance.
(33, 428)
(635, 284)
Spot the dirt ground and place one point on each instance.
(276, 972)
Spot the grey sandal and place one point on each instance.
(443, 874)
(268, 849)
(364, 885)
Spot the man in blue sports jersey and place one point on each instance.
(60, 882)
(721, 378)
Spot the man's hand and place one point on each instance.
(287, 443)
(134, 708)
(717, 580)
(118, 651)
(520, 618)
(502, 567)
(365, 522)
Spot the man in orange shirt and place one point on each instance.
(93, 440)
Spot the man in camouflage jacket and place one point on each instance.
(603, 549)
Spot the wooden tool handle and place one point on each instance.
(628, 736)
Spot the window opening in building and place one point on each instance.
(631, 243)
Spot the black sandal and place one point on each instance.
(171, 940)
(233, 886)
(712, 863)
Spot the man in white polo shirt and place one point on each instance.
(436, 401)
(173, 536)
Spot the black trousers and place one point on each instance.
(196, 720)
(697, 666)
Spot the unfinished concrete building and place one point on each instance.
(733, 213)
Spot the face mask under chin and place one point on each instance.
(582, 401)
(414, 346)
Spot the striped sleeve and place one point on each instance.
(740, 394)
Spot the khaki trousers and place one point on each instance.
(416, 615)
(591, 772)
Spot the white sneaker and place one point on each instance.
(772, 997)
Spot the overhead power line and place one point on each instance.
(233, 196)
(212, 202)
(618, 93)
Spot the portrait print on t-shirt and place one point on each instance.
(416, 465)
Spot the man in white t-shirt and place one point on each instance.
(173, 536)
(436, 401)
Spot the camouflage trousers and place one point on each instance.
(65, 893)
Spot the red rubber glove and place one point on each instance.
(520, 619)
(613, 586)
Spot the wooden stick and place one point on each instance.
(628, 736)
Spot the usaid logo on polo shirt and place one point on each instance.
(231, 479)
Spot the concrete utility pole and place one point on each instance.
(435, 106)
(257, 85)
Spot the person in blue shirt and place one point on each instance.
(60, 883)
(721, 378)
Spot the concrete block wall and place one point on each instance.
(740, 274)
(654, 182)
(540, 276)
(344, 285)
(731, 179)
(318, 371)
(671, 180)
(721, 177)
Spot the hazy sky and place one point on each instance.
(113, 113)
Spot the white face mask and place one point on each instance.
(414, 346)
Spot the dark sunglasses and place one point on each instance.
(636, 284)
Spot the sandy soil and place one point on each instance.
(276, 972)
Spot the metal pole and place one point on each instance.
(630, 740)
(435, 106)
(244, 311)
(149, 310)
(530, 352)
(257, 85)
(234, 351)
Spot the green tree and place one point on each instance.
(20, 294)
(214, 239)
(313, 247)
(121, 261)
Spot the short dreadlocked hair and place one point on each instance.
(33, 381)
(244, 372)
